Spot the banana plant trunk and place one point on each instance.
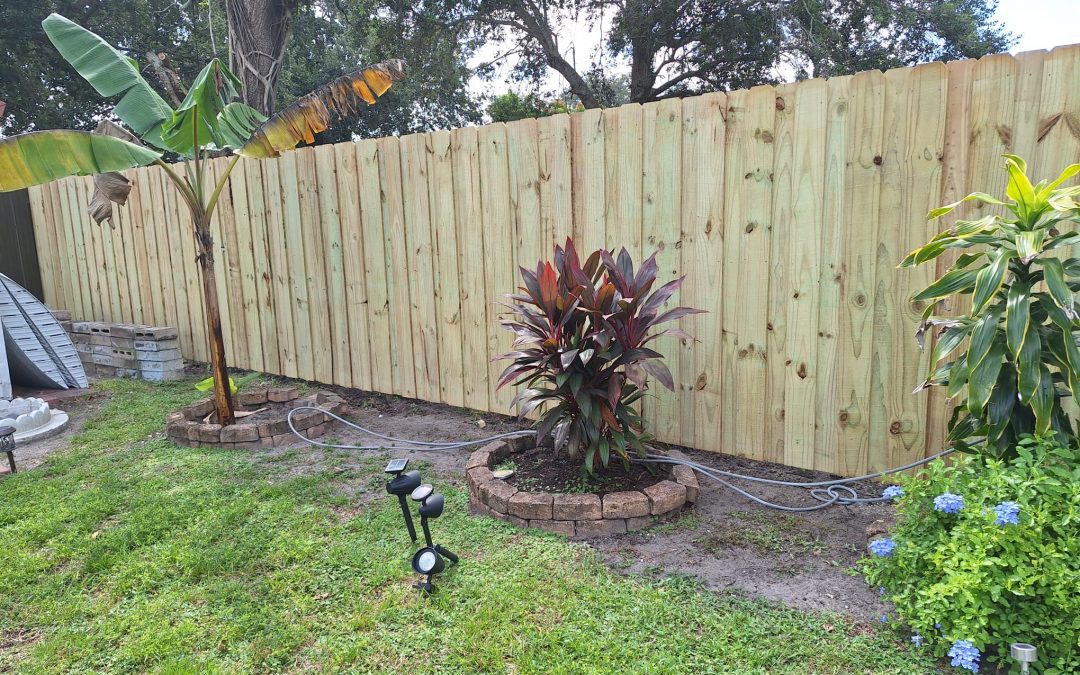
(223, 402)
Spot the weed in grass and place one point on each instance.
(217, 561)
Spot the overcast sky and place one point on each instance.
(1040, 24)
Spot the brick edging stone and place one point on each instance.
(187, 428)
(575, 515)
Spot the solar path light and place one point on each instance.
(402, 483)
(429, 560)
(7, 445)
(1023, 654)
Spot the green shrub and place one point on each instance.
(988, 551)
(1021, 357)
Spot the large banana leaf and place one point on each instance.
(43, 156)
(209, 107)
(111, 74)
(313, 113)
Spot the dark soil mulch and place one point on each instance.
(541, 469)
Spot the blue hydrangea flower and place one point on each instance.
(937, 625)
(893, 492)
(882, 547)
(964, 655)
(884, 618)
(947, 502)
(1007, 513)
(917, 640)
(881, 590)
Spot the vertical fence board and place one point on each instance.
(444, 236)
(336, 308)
(374, 241)
(354, 309)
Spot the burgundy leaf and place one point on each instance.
(658, 370)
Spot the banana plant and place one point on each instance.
(1018, 357)
(209, 121)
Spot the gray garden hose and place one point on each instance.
(827, 493)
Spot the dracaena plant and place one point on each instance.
(208, 121)
(1018, 356)
(581, 351)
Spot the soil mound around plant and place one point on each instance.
(541, 469)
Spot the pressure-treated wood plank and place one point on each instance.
(354, 308)
(375, 255)
(309, 190)
(181, 259)
(622, 178)
(84, 250)
(261, 257)
(279, 286)
(422, 299)
(703, 258)
(911, 179)
(748, 187)
(1027, 94)
(295, 243)
(780, 232)
(332, 255)
(809, 163)
(839, 129)
(1058, 139)
(65, 271)
(245, 227)
(142, 241)
(146, 201)
(524, 163)
(661, 232)
(112, 252)
(46, 252)
(127, 232)
(499, 251)
(444, 236)
(589, 197)
(153, 204)
(556, 191)
(857, 272)
(468, 210)
(102, 271)
(397, 271)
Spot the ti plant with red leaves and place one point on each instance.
(580, 350)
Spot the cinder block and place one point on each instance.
(83, 327)
(123, 343)
(84, 349)
(103, 350)
(80, 338)
(105, 371)
(127, 372)
(169, 376)
(61, 315)
(166, 355)
(156, 333)
(123, 353)
(66, 325)
(156, 345)
(124, 330)
(101, 339)
(160, 366)
(100, 329)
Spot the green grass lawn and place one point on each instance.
(125, 553)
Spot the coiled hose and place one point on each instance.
(827, 493)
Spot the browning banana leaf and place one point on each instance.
(314, 112)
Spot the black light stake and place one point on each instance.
(7, 445)
(402, 484)
(429, 560)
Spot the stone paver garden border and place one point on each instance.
(188, 427)
(574, 514)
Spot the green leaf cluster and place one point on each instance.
(987, 583)
(1021, 358)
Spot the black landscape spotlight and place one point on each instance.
(402, 484)
(429, 560)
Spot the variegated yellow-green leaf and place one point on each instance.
(44, 156)
(1029, 364)
(983, 376)
(957, 281)
(1017, 315)
(1068, 173)
(1029, 244)
(989, 280)
(1042, 402)
(1019, 187)
(980, 196)
(314, 112)
(1054, 275)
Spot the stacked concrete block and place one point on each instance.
(127, 350)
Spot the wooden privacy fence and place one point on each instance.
(377, 264)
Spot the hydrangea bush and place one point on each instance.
(986, 552)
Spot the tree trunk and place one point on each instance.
(223, 403)
(259, 31)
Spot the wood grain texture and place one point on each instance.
(379, 264)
